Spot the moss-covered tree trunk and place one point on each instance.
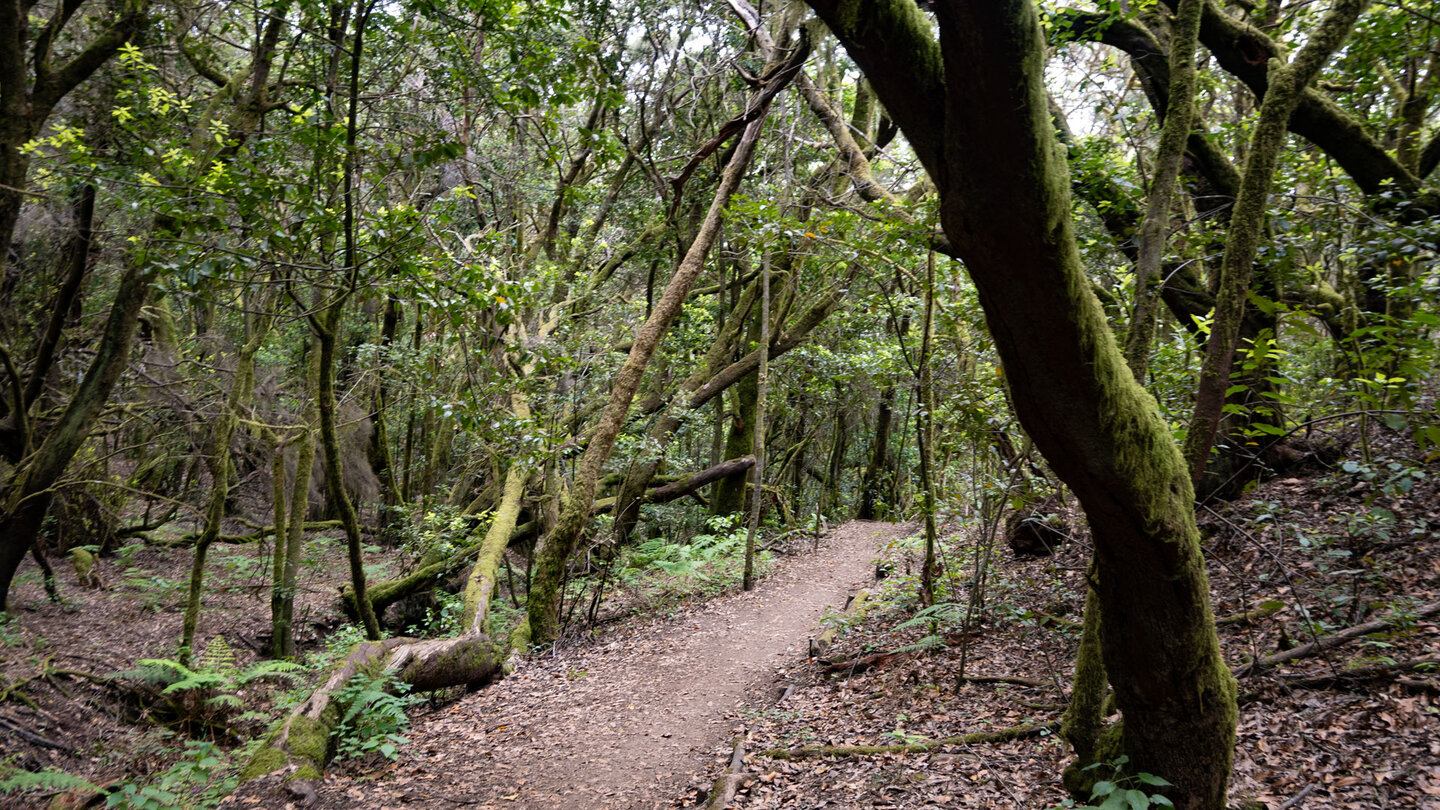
(1184, 32)
(27, 495)
(288, 546)
(874, 484)
(1284, 92)
(973, 107)
(242, 388)
(543, 608)
(757, 498)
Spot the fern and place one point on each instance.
(930, 642)
(206, 695)
(49, 781)
(949, 614)
(374, 716)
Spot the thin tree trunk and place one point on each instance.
(543, 619)
(757, 497)
(242, 388)
(925, 431)
(1286, 88)
(1185, 30)
(287, 564)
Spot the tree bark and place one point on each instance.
(747, 581)
(1169, 155)
(28, 493)
(974, 109)
(242, 388)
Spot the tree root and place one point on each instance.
(1251, 616)
(729, 782)
(1368, 673)
(923, 747)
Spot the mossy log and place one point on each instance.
(292, 761)
(921, 747)
(1251, 616)
(725, 787)
(384, 594)
(256, 536)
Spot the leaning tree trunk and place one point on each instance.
(28, 493)
(542, 624)
(973, 107)
(1286, 89)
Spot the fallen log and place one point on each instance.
(1330, 642)
(289, 765)
(233, 539)
(384, 594)
(921, 747)
(862, 663)
(1367, 673)
(723, 792)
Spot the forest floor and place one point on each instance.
(626, 719)
(641, 712)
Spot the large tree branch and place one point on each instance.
(51, 87)
(1244, 51)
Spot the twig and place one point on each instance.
(1295, 800)
(35, 738)
(1329, 642)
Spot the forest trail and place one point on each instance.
(626, 723)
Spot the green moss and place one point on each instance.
(1108, 746)
(308, 740)
(1085, 719)
(520, 636)
(84, 563)
(308, 773)
(267, 760)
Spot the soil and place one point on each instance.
(629, 719)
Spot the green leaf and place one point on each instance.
(1160, 781)
(1116, 801)
(1102, 788)
(1137, 799)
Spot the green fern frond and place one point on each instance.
(47, 780)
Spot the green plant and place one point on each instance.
(10, 633)
(949, 615)
(47, 781)
(200, 779)
(203, 697)
(711, 559)
(374, 716)
(1123, 791)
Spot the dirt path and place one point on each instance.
(626, 724)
